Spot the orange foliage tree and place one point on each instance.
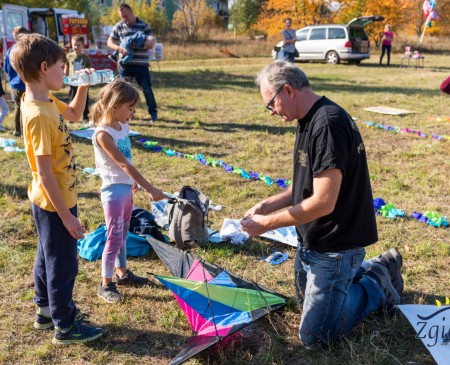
(302, 13)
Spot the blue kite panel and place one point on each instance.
(222, 315)
(223, 279)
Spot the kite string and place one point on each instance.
(209, 300)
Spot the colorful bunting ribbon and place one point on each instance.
(209, 161)
(431, 218)
(420, 134)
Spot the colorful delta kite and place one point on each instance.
(217, 303)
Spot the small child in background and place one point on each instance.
(112, 150)
(76, 61)
(136, 41)
(3, 106)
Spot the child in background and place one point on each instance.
(76, 61)
(136, 41)
(16, 84)
(39, 61)
(112, 150)
(3, 106)
(386, 43)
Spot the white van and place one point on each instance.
(45, 21)
(333, 43)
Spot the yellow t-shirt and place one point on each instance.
(46, 133)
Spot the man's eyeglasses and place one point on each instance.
(268, 106)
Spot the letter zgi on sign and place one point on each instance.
(432, 326)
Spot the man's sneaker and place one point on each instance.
(112, 58)
(17, 134)
(154, 117)
(78, 333)
(42, 322)
(131, 279)
(109, 293)
(392, 260)
(380, 274)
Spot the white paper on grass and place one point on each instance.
(432, 326)
(286, 235)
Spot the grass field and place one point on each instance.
(211, 106)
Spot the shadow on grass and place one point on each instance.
(171, 143)
(212, 80)
(124, 339)
(204, 80)
(224, 127)
(13, 190)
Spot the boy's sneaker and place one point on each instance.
(109, 293)
(78, 333)
(2, 128)
(380, 274)
(43, 322)
(392, 260)
(154, 117)
(131, 279)
(112, 58)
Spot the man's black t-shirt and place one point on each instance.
(328, 138)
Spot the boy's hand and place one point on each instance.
(86, 71)
(156, 194)
(74, 227)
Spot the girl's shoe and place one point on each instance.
(109, 293)
(131, 280)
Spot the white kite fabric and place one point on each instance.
(432, 326)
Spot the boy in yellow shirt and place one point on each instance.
(40, 64)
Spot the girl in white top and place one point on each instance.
(112, 149)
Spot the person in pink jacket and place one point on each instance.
(386, 43)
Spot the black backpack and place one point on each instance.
(187, 218)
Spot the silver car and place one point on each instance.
(333, 43)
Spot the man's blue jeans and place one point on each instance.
(333, 303)
(141, 74)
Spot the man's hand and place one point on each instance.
(254, 226)
(257, 209)
(122, 51)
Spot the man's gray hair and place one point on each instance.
(280, 73)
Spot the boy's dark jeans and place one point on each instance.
(56, 266)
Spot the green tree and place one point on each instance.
(245, 13)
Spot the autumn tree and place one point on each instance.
(191, 16)
(302, 13)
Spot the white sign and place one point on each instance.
(432, 325)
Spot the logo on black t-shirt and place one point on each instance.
(360, 147)
(302, 158)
